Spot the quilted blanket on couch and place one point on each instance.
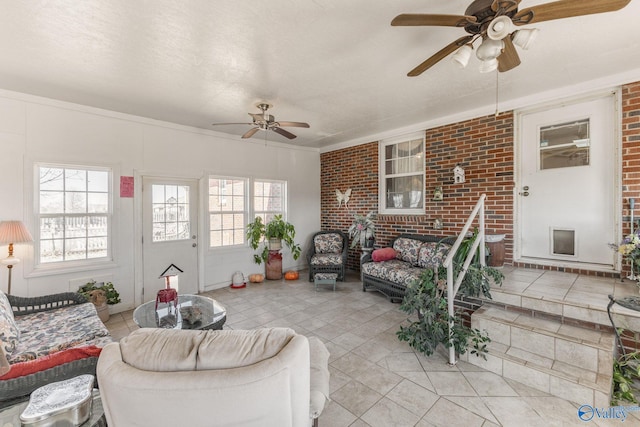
(48, 332)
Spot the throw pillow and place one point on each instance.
(383, 254)
(9, 332)
(432, 254)
(407, 249)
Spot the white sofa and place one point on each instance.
(260, 377)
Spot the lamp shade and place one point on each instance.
(488, 65)
(462, 55)
(500, 27)
(489, 49)
(14, 232)
(524, 38)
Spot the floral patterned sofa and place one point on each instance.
(46, 339)
(413, 253)
(328, 253)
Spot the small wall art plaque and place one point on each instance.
(126, 186)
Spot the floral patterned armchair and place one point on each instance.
(328, 253)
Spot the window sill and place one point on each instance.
(69, 267)
(392, 212)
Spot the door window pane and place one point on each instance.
(170, 212)
(565, 145)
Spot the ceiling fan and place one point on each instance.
(265, 122)
(495, 23)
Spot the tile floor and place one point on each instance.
(379, 381)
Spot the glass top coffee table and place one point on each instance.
(192, 312)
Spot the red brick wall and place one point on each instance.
(484, 148)
(630, 156)
(355, 168)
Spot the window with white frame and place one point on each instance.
(269, 199)
(227, 211)
(402, 172)
(73, 213)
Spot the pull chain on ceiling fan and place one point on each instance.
(495, 23)
(264, 122)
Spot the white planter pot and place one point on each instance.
(275, 244)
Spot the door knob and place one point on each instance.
(194, 245)
(525, 193)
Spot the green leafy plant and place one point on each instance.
(426, 297)
(112, 295)
(259, 233)
(478, 279)
(362, 230)
(626, 378)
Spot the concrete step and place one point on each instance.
(582, 299)
(567, 361)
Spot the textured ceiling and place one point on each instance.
(335, 64)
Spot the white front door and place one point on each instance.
(169, 209)
(566, 190)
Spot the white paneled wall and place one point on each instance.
(34, 129)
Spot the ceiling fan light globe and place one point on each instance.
(489, 49)
(525, 38)
(489, 65)
(462, 55)
(500, 27)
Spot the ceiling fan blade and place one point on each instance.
(294, 124)
(438, 56)
(419, 19)
(250, 133)
(509, 58)
(566, 9)
(284, 133)
(224, 124)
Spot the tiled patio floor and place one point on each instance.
(379, 381)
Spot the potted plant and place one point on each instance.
(101, 295)
(363, 230)
(426, 297)
(478, 278)
(626, 379)
(270, 236)
(629, 248)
